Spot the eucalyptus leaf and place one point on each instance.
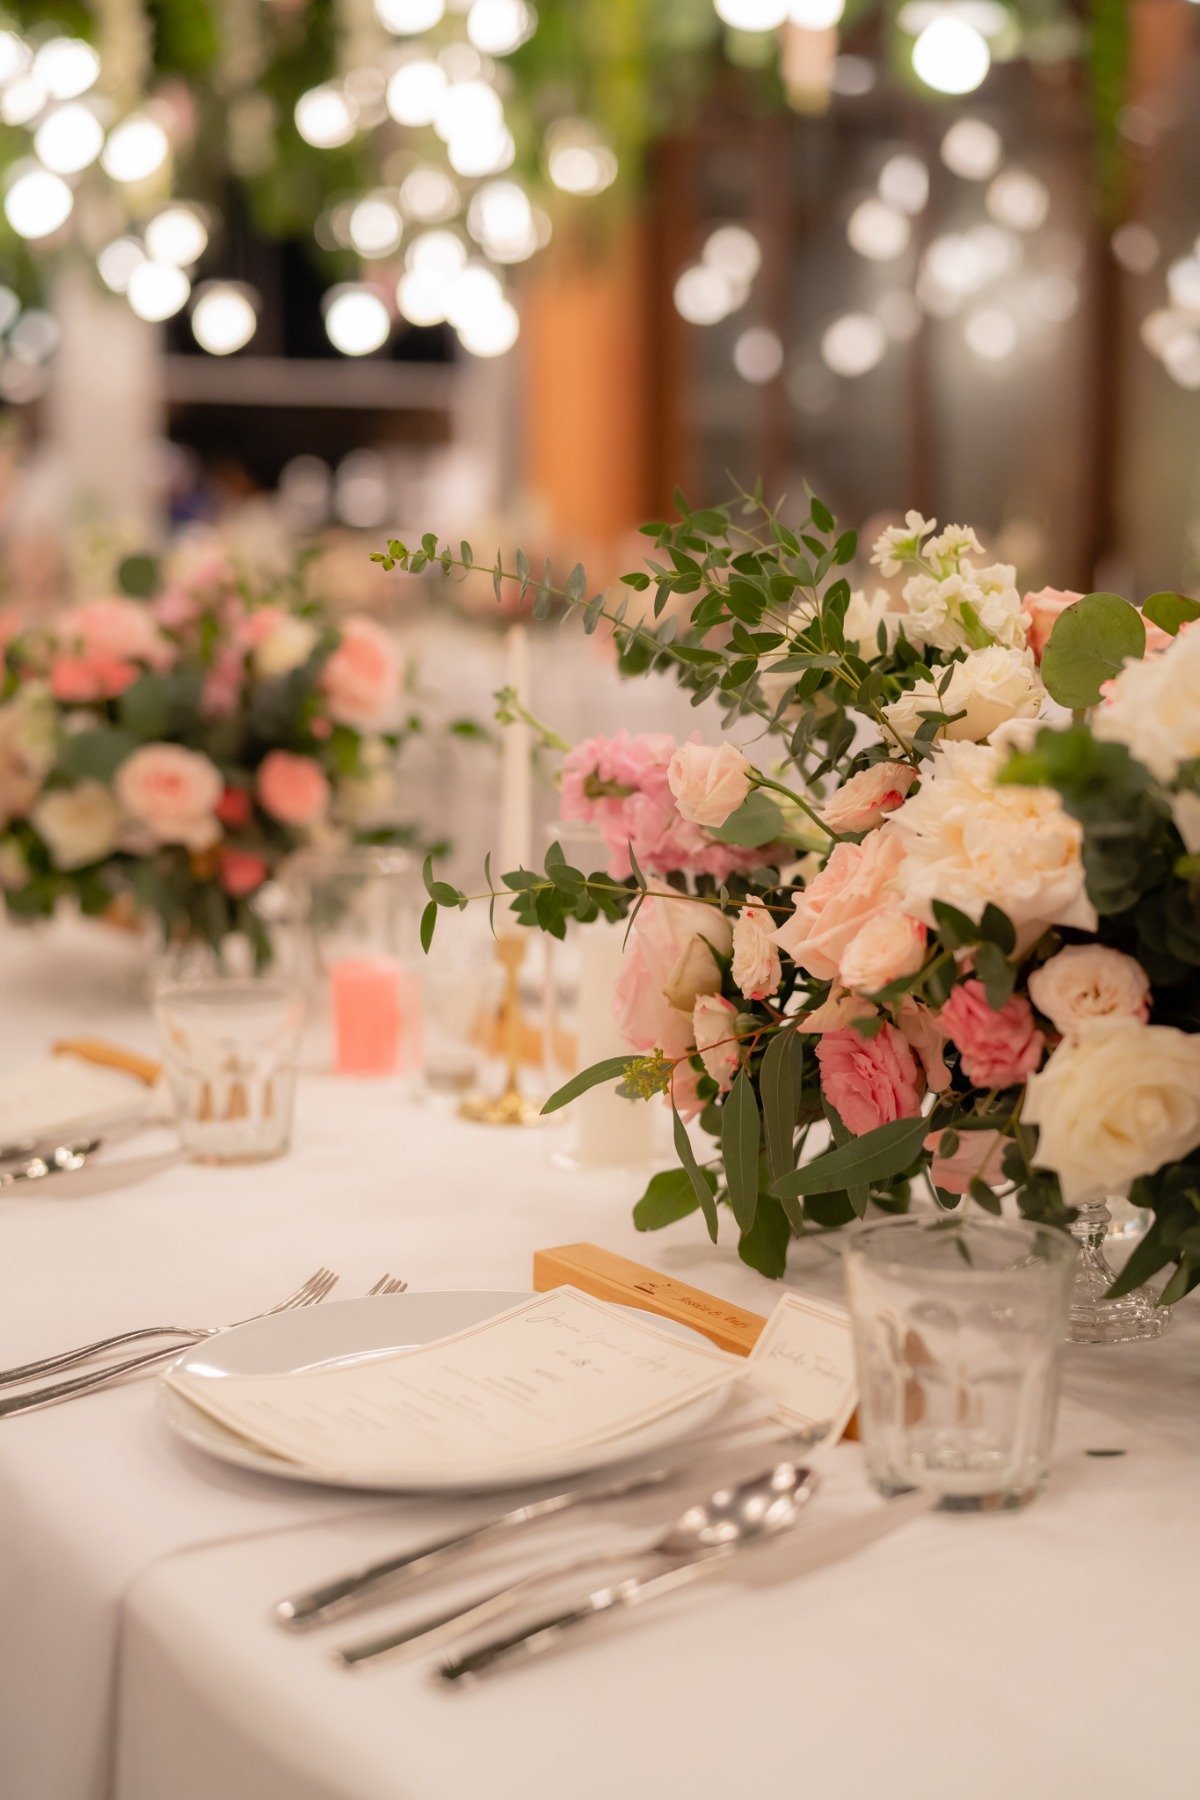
(1171, 611)
(1090, 643)
(740, 1136)
(613, 1068)
(876, 1156)
(669, 1197)
(696, 1175)
(758, 820)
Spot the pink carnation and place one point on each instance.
(869, 1081)
(241, 872)
(363, 678)
(978, 1157)
(997, 1049)
(293, 789)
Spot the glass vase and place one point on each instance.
(1093, 1317)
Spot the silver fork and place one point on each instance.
(314, 1290)
(387, 1284)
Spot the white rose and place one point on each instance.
(756, 966)
(1089, 981)
(291, 643)
(1153, 707)
(989, 687)
(1116, 1101)
(708, 783)
(967, 841)
(79, 824)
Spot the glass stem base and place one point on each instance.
(1093, 1318)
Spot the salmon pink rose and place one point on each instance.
(866, 799)
(713, 1024)
(831, 911)
(173, 793)
(870, 1081)
(118, 629)
(293, 789)
(709, 782)
(82, 680)
(978, 1156)
(668, 962)
(1042, 610)
(997, 1049)
(363, 678)
(242, 872)
(888, 946)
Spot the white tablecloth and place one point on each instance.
(1046, 1653)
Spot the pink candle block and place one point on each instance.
(366, 1014)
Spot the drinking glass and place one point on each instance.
(958, 1325)
(231, 1048)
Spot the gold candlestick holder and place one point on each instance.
(510, 1106)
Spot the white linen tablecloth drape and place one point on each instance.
(1047, 1653)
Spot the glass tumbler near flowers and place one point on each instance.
(958, 1325)
(231, 1048)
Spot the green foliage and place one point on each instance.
(1090, 643)
(1171, 611)
(613, 1068)
(668, 1198)
(877, 1155)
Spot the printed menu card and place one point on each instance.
(804, 1363)
(553, 1374)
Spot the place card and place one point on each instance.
(554, 1374)
(804, 1362)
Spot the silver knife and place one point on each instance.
(335, 1598)
(542, 1634)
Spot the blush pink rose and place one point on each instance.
(241, 872)
(363, 678)
(83, 680)
(1041, 611)
(116, 628)
(831, 911)
(709, 782)
(870, 1081)
(713, 1023)
(977, 1157)
(293, 789)
(756, 966)
(997, 1049)
(866, 799)
(837, 1011)
(668, 962)
(683, 1096)
(173, 793)
(888, 946)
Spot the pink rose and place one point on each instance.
(241, 872)
(82, 680)
(363, 677)
(175, 609)
(756, 966)
(865, 800)
(870, 1081)
(293, 789)
(115, 629)
(921, 1029)
(222, 691)
(1041, 610)
(683, 1096)
(978, 1157)
(713, 1026)
(173, 793)
(235, 808)
(669, 951)
(997, 1049)
(888, 946)
(831, 911)
(836, 1012)
(709, 783)
(1090, 981)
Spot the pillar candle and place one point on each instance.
(366, 996)
(609, 1130)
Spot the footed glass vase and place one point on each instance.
(1094, 1318)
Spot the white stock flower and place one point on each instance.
(1153, 708)
(864, 616)
(989, 687)
(79, 824)
(968, 841)
(900, 544)
(950, 614)
(1089, 981)
(947, 550)
(1115, 1101)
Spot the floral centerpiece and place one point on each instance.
(163, 756)
(939, 929)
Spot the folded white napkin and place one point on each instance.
(61, 1094)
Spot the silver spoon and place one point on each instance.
(761, 1506)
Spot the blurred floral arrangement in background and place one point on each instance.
(163, 750)
(940, 930)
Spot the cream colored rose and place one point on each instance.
(694, 972)
(967, 841)
(713, 1024)
(1089, 981)
(988, 688)
(756, 966)
(1153, 707)
(708, 783)
(888, 946)
(79, 824)
(290, 644)
(866, 799)
(1116, 1101)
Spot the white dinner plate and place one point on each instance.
(350, 1331)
